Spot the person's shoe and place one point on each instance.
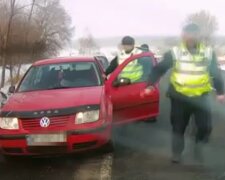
(176, 159)
(198, 153)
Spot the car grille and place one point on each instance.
(13, 150)
(55, 122)
(47, 149)
(85, 145)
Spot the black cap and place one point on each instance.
(191, 28)
(145, 46)
(128, 40)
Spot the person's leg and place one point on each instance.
(180, 114)
(204, 125)
(203, 119)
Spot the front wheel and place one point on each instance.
(108, 147)
(151, 120)
(114, 141)
(12, 159)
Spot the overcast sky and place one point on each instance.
(106, 18)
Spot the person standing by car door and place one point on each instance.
(194, 73)
(145, 48)
(128, 50)
(146, 64)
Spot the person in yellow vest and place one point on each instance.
(133, 71)
(194, 74)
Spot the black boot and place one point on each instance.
(177, 147)
(176, 158)
(198, 153)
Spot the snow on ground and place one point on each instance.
(24, 68)
(5, 88)
(109, 52)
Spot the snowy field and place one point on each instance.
(109, 52)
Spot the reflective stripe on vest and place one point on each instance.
(190, 74)
(192, 86)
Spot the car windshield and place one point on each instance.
(59, 76)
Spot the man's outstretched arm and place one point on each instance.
(160, 69)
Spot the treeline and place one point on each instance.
(30, 30)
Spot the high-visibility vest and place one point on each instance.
(133, 70)
(122, 55)
(190, 73)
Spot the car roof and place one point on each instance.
(64, 60)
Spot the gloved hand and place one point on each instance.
(221, 98)
(104, 77)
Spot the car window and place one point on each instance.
(103, 61)
(137, 70)
(66, 75)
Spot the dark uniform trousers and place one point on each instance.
(181, 111)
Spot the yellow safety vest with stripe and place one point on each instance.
(133, 70)
(190, 74)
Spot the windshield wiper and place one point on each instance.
(60, 87)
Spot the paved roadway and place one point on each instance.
(142, 153)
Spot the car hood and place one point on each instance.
(54, 99)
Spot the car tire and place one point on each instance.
(151, 120)
(108, 147)
(10, 159)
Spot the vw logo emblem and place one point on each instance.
(44, 122)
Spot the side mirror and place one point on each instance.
(12, 89)
(3, 98)
(121, 82)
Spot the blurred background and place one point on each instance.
(37, 29)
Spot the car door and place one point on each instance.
(128, 105)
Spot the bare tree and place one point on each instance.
(88, 45)
(31, 31)
(207, 22)
(53, 24)
(27, 30)
(6, 36)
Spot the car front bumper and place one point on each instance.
(77, 140)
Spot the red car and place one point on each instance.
(67, 105)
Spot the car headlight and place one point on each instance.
(9, 123)
(87, 117)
